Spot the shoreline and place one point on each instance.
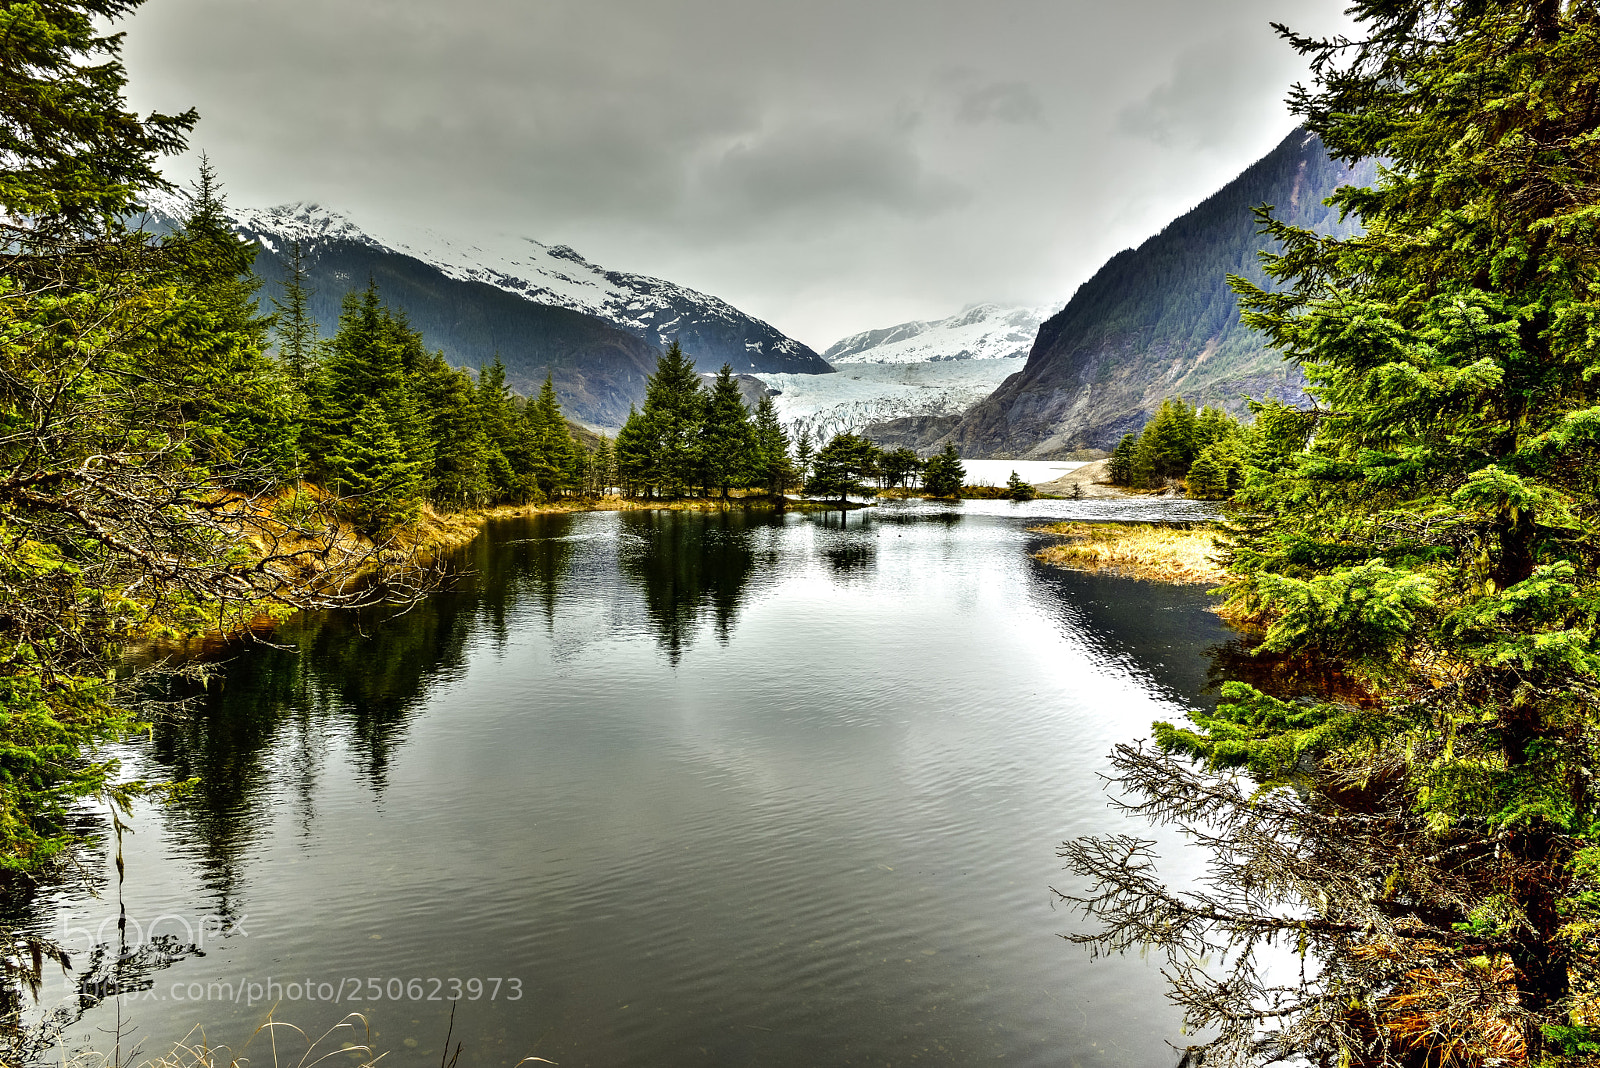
(352, 560)
(1176, 556)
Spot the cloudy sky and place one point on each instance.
(826, 165)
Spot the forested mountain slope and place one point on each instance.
(1160, 321)
(547, 309)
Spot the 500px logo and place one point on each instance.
(136, 934)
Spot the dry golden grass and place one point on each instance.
(277, 1044)
(1136, 550)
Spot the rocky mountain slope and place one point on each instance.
(1160, 321)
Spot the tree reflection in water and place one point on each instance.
(687, 565)
(849, 544)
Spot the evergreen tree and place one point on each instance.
(633, 455)
(727, 440)
(803, 452)
(80, 393)
(379, 485)
(1168, 445)
(295, 328)
(841, 467)
(553, 457)
(899, 467)
(943, 475)
(237, 405)
(1122, 460)
(670, 423)
(1424, 827)
(773, 468)
(1208, 475)
(508, 457)
(459, 476)
(1018, 488)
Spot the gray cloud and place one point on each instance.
(1014, 102)
(829, 166)
(1198, 106)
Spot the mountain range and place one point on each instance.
(1156, 321)
(540, 308)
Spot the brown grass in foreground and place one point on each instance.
(278, 1045)
(1136, 550)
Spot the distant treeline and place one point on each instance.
(1205, 448)
(386, 425)
(690, 440)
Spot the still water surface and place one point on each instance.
(697, 789)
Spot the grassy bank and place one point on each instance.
(1136, 550)
(324, 556)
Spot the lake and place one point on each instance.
(679, 788)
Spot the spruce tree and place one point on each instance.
(803, 452)
(900, 466)
(1019, 488)
(238, 406)
(508, 450)
(379, 485)
(773, 468)
(842, 466)
(1208, 475)
(553, 459)
(1122, 460)
(459, 475)
(727, 440)
(1422, 826)
(943, 474)
(295, 328)
(674, 406)
(633, 455)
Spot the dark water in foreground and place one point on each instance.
(694, 789)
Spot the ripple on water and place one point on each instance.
(746, 789)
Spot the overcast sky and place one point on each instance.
(826, 165)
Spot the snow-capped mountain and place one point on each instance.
(542, 310)
(658, 311)
(981, 332)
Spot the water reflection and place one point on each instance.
(718, 787)
(690, 566)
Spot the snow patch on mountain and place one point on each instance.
(981, 332)
(558, 275)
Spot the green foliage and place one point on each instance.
(773, 469)
(296, 329)
(1208, 478)
(1430, 525)
(237, 405)
(74, 158)
(669, 426)
(1018, 488)
(552, 454)
(727, 446)
(804, 451)
(370, 470)
(1173, 442)
(943, 475)
(899, 467)
(842, 467)
(1120, 467)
